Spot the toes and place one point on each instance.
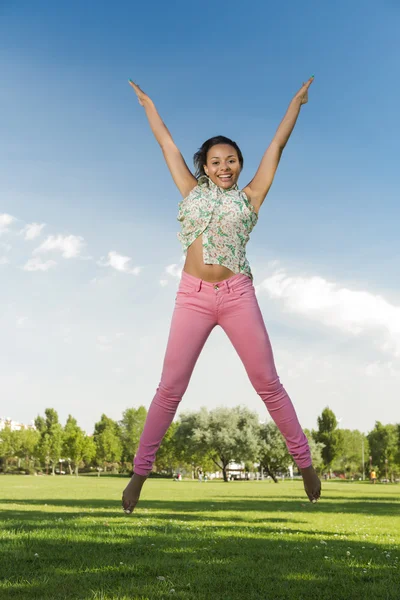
(127, 508)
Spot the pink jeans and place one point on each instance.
(199, 307)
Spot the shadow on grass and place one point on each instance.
(227, 563)
(378, 506)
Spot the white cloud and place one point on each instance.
(120, 263)
(382, 370)
(175, 270)
(36, 264)
(32, 230)
(4, 260)
(5, 221)
(163, 282)
(69, 245)
(352, 311)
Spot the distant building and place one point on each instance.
(14, 425)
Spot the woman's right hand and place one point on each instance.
(142, 97)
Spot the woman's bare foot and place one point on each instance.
(312, 484)
(131, 493)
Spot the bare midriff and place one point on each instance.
(194, 264)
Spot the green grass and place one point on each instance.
(66, 537)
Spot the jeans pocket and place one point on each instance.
(247, 290)
(187, 291)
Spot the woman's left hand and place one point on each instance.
(302, 94)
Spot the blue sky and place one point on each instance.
(83, 330)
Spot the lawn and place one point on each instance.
(66, 537)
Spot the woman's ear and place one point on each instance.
(205, 169)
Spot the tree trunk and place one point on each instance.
(53, 469)
(76, 470)
(224, 472)
(70, 468)
(270, 473)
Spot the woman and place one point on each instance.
(216, 286)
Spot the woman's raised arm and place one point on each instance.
(259, 186)
(182, 176)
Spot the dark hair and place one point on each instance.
(200, 158)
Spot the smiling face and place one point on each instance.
(223, 166)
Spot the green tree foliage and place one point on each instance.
(7, 447)
(188, 450)
(74, 444)
(108, 441)
(131, 426)
(89, 449)
(228, 434)
(329, 435)
(316, 451)
(27, 443)
(273, 453)
(383, 442)
(51, 434)
(398, 445)
(167, 456)
(349, 460)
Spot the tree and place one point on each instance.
(51, 433)
(89, 449)
(188, 450)
(108, 441)
(28, 441)
(7, 446)
(315, 450)
(228, 434)
(398, 444)
(166, 455)
(328, 435)
(73, 444)
(383, 443)
(131, 427)
(350, 458)
(273, 453)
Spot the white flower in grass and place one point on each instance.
(348, 553)
(161, 578)
(172, 591)
(323, 542)
(36, 554)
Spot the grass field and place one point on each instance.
(66, 537)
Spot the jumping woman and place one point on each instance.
(216, 286)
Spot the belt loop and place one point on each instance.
(198, 287)
(228, 286)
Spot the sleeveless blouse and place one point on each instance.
(224, 217)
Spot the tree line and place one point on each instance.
(206, 440)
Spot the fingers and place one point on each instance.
(309, 82)
(135, 87)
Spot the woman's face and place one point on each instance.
(223, 166)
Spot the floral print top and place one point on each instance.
(224, 217)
